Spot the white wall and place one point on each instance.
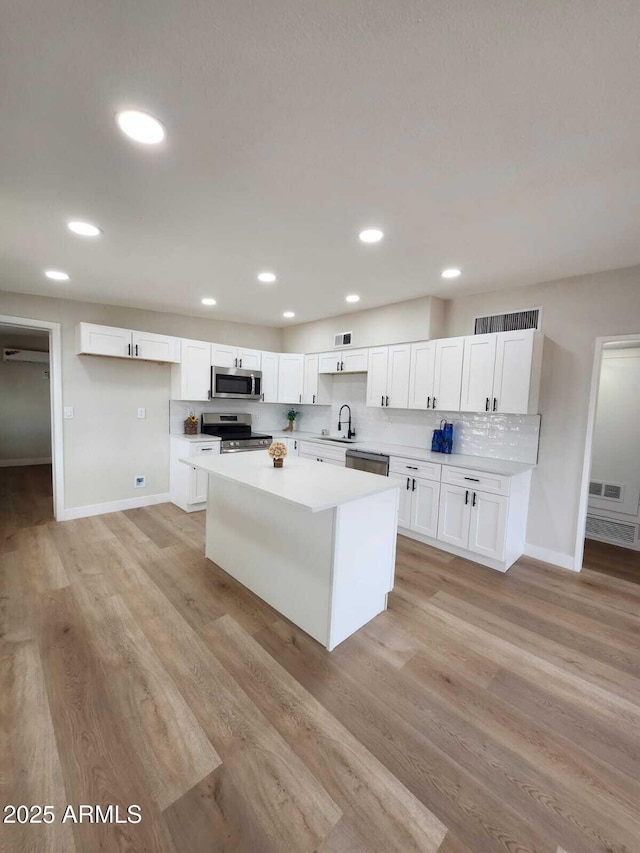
(616, 440)
(25, 413)
(575, 312)
(105, 445)
(414, 320)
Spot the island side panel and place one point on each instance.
(281, 552)
(364, 562)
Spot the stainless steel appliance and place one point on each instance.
(362, 460)
(232, 382)
(235, 433)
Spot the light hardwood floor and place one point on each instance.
(481, 712)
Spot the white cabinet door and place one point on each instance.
(404, 508)
(512, 380)
(421, 375)
(477, 373)
(448, 374)
(199, 481)
(291, 444)
(155, 347)
(354, 361)
(270, 377)
(310, 389)
(191, 379)
(249, 359)
(398, 376)
(454, 515)
(488, 526)
(104, 340)
(425, 496)
(377, 376)
(223, 356)
(329, 362)
(290, 377)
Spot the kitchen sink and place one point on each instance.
(338, 440)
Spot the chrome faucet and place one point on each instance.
(351, 433)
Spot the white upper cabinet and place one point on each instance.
(223, 356)
(103, 340)
(421, 375)
(155, 347)
(447, 381)
(249, 359)
(397, 394)
(126, 343)
(191, 379)
(477, 373)
(310, 384)
(290, 377)
(501, 372)
(270, 377)
(343, 361)
(377, 376)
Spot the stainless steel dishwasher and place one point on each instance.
(374, 463)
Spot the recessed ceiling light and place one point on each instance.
(208, 301)
(288, 314)
(266, 277)
(352, 298)
(140, 126)
(56, 275)
(371, 235)
(451, 273)
(84, 229)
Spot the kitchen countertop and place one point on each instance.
(201, 436)
(302, 482)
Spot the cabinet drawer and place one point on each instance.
(324, 449)
(495, 484)
(415, 468)
(208, 448)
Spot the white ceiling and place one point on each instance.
(501, 137)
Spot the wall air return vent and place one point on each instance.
(616, 532)
(343, 339)
(511, 322)
(610, 491)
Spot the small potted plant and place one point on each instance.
(291, 416)
(191, 424)
(277, 452)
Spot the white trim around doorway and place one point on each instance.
(55, 373)
(588, 444)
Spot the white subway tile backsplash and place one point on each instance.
(510, 437)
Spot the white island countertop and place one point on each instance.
(303, 482)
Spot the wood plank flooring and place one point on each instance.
(481, 712)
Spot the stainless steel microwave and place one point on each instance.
(232, 382)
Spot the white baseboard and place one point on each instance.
(12, 463)
(554, 558)
(112, 506)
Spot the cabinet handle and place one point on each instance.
(408, 481)
(472, 479)
(434, 403)
(473, 502)
(387, 401)
(295, 445)
(129, 348)
(342, 365)
(428, 402)
(466, 497)
(415, 468)
(314, 398)
(205, 449)
(382, 400)
(413, 486)
(337, 365)
(136, 349)
(208, 393)
(300, 400)
(495, 403)
(240, 363)
(262, 396)
(486, 406)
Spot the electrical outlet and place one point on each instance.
(68, 412)
(139, 481)
(142, 413)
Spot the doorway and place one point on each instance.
(31, 447)
(612, 506)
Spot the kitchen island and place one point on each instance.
(317, 545)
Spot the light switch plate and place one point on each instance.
(68, 412)
(142, 413)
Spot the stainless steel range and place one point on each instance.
(235, 433)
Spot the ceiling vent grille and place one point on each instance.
(617, 532)
(343, 339)
(610, 491)
(512, 322)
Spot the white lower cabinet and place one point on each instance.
(322, 452)
(404, 508)
(292, 445)
(425, 496)
(475, 521)
(188, 485)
